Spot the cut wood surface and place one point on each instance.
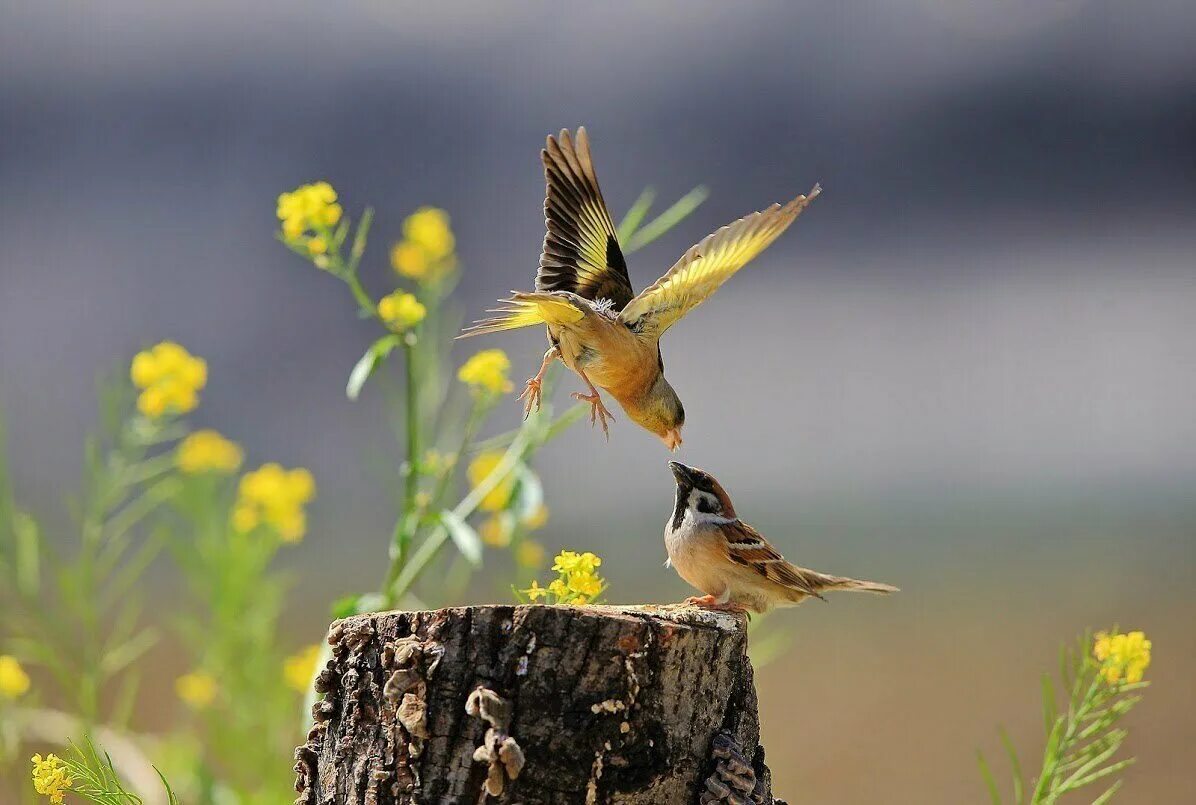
(536, 704)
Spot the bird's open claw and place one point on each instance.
(531, 393)
(598, 411)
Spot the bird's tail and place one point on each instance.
(858, 585)
(526, 310)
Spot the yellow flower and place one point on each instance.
(14, 682)
(584, 583)
(300, 668)
(426, 251)
(401, 310)
(1122, 656)
(557, 587)
(311, 207)
(208, 451)
(170, 378)
(428, 228)
(410, 260)
(481, 467)
(573, 562)
(530, 554)
(496, 531)
(537, 518)
(275, 497)
(50, 777)
(197, 689)
(535, 592)
(486, 372)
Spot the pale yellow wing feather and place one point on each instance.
(526, 310)
(709, 264)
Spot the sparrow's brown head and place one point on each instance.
(659, 411)
(700, 495)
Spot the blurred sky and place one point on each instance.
(979, 341)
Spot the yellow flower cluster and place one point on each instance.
(299, 668)
(401, 310)
(14, 682)
(311, 208)
(479, 469)
(208, 451)
(275, 497)
(169, 377)
(50, 777)
(197, 689)
(1122, 656)
(577, 580)
(486, 372)
(426, 251)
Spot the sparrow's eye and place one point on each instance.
(708, 505)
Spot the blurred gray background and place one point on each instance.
(967, 370)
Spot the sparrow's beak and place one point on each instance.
(682, 473)
(672, 438)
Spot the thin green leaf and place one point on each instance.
(368, 362)
(529, 492)
(27, 550)
(667, 219)
(1109, 792)
(1099, 775)
(1015, 764)
(1048, 703)
(993, 794)
(463, 536)
(635, 216)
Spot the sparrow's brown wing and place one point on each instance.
(581, 250)
(709, 264)
(749, 548)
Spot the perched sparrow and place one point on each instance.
(597, 326)
(724, 557)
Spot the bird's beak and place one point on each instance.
(682, 473)
(672, 438)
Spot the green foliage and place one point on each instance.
(1082, 741)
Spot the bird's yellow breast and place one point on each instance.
(611, 355)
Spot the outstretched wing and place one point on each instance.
(709, 264)
(749, 548)
(581, 250)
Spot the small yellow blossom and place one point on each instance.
(309, 208)
(197, 689)
(558, 588)
(274, 497)
(530, 554)
(426, 252)
(537, 518)
(300, 668)
(496, 531)
(409, 260)
(573, 562)
(535, 592)
(486, 372)
(479, 469)
(428, 228)
(50, 777)
(1122, 656)
(208, 451)
(584, 583)
(401, 310)
(169, 377)
(14, 682)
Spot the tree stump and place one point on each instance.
(535, 704)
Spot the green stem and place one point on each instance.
(405, 525)
(431, 546)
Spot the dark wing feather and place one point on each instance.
(581, 250)
(748, 547)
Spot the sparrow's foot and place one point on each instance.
(531, 393)
(710, 602)
(598, 412)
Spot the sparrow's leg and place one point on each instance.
(598, 411)
(532, 390)
(715, 602)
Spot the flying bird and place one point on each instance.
(731, 562)
(597, 325)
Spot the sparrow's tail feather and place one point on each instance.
(526, 310)
(857, 585)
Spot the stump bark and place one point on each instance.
(535, 704)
